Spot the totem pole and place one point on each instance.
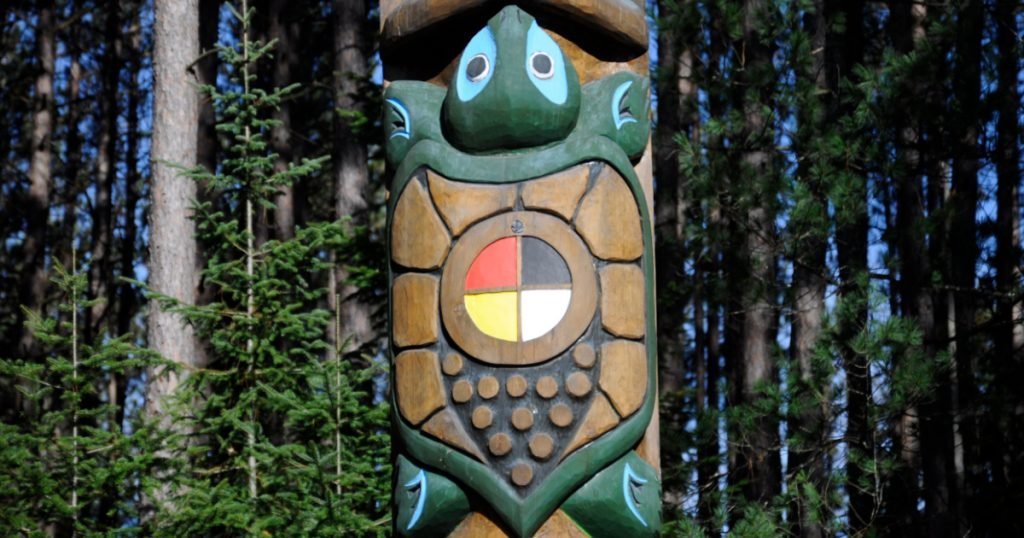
(521, 268)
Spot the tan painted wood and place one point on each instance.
(499, 444)
(462, 391)
(516, 385)
(600, 418)
(522, 419)
(622, 300)
(483, 417)
(462, 204)
(582, 306)
(560, 192)
(547, 387)
(452, 364)
(578, 384)
(522, 474)
(649, 448)
(624, 375)
(446, 427)
(541, 446)
(584, 355)
(609, 220)
(414, 309)
(488, 387)
(418, 384)
(560, 525)
(560, 415)
(419, 240)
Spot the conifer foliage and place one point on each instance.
(269, 437)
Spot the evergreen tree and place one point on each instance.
(270, 437)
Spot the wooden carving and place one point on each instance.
(521, 268)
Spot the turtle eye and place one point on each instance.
(545, 65)
(542, 66)
(478, 68)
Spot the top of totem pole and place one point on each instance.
(618, 22)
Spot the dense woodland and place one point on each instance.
(192, 280)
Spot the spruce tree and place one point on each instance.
(270, 437)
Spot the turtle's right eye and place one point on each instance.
(476, 65)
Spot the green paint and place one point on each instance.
(444, 505)
(600, 507)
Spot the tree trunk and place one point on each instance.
(283, 28)
(34, 275)
(100, 266)
(1005, 441)
(172, 253)
(758, 458)
(351, 175)
(810, 420)
(908, 31)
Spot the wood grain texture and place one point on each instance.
(483, 417)
(418, 385)
(560, 192)
(446, 427)
(462, 204)
(609, 220)
(419, 240)
(488, 387)
(516, 386)
(522, 418)
(462, 391)
(452, 364)
(624, 375)
(414, 310)
(599, 419)
(622, 300)
(478, 525)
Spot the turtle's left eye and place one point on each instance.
(399, 123)
(542, 66)
(622, 113)
(545, 65)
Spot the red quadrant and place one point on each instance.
(494, 267)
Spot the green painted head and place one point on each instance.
(514, 66)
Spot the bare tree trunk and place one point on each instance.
(283, 29)
(810, 422)
(908, 31)
(1005, 441)
(34, 275)
(172, 253)
(351, 175)
(100, 266)
(958, 440)
(758, 459)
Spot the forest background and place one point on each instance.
(840, 317)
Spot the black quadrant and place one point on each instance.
(542, 264)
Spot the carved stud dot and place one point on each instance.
(578, 384)
(522, 418)
(522, 474)
(560, 415)
(584, 356)
(547, 387)
(516, 386)
(541, 446)
(452, 364)
(488, 387)
(462, 391)
(499, 444)
(483, 417)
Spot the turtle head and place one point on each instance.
(514, 88)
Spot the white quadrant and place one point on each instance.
(541, 310)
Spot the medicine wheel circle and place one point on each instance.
(518, 289)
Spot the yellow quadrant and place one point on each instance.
(495, 314)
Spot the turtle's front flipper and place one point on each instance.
(426, 504)
(622, 500)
